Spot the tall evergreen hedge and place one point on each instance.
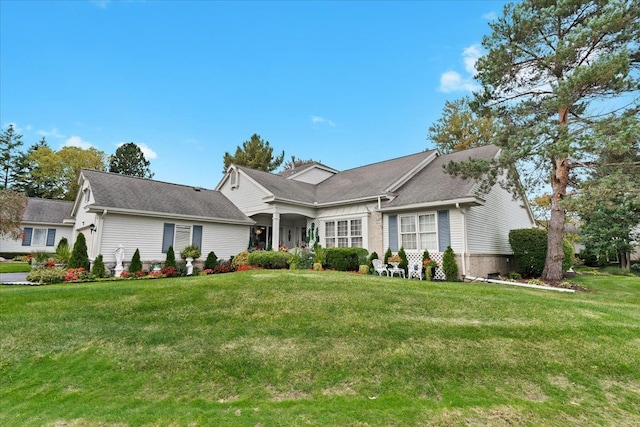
(530, 250)
(344, 259)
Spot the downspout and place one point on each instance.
(464, 239)
(100, 228)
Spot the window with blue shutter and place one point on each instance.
(196, 238)
(26, 236)
(393, 233)
(167, 237)
(444, 230)
(51, 237)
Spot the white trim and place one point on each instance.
(165, 215)
(412, 172)
(468, 201)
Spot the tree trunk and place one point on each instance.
(553, 263)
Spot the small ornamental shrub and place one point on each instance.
(244, 268)
(387, 255)
(374, 255)
(155, 274)
(404, 263)
(136, 264)
(223, 267)
(125, 274)
(77, 275)
(46, 275)
(171, 258)
(169, 271)
(98, 267)
(63, 251)
(343, 259)
(449, 265)
(241, 259)
(211, 261)
(79, 257)
(269, 259)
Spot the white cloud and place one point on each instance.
(76, 141)
(318, 119)
(102, 4)
(55, 133)
(490, 16)
(146, 150)
(453, 81)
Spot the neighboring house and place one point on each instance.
(44, 223)
(138, 213)
(408, 202)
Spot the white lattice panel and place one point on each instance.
(436, 256)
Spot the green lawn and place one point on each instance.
(14, 267)
(277, 348)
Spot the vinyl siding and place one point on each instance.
(456, 222)
(488, 226)
(247, 196)
(146, 233)
(312, 176)
(8, 245)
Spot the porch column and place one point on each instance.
(275, 230)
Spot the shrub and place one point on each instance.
(449, 265)
(191, 251)
(169, 271)
(269, 259)
(171, 258)
(374, 255)
(404, 263)
(241, 259)
(344, 259)
(98, 267)
(223, 267)
(387, 254)
(211, 261)
(530, 250)
(77, 275)
(136, 264)
(79, 257)
(301, 259)
(46, 275)
(63, 251)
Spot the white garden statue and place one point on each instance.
(119, 259)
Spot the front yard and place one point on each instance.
(319, 348)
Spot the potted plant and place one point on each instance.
(188, 254)
(429, 267)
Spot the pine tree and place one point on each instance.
(10, 141)
(136, 264)
(129, 160)
(171, 258)
(79, 257)
(256, 154)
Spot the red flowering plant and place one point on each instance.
(125, 274)
(169, 271)
(76, 275)
(208, 271)
(155, 274)
(429, 263)
(50, 264)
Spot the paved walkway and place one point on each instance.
(14, 279)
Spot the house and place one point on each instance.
(408, 202)
(113, 210)
(45, 222)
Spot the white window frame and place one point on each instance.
(340, 233)
(414, 230)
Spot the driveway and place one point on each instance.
(13, 278)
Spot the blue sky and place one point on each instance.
(344, 83)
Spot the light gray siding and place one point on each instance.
(12, 246)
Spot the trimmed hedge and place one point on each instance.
(530, 251)
(344, 259)
(269, 259)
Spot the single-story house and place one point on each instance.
(408, 202)
(44, 223)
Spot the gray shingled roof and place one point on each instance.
(434, 184)
(47, 211)
(431, 184)
(117, 191)
(367, 181)
(282, 187)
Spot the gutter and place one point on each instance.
(522, 285)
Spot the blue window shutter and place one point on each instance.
(393, 233)
(26, 236)
(196, 238)
(167, 237)
(51, 237)
(444, 230)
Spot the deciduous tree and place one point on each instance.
(558, 76)
(256, 154)
(12, 207)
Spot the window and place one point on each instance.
(343, 233)
(233, 178)
(419, 232)
(38, 236)
(180, 236)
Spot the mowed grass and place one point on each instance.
(278, 348)
(14, 267)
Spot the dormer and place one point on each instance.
(313, 173)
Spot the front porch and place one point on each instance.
(286, 229)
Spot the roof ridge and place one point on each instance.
(388, 160)
(146, 179)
